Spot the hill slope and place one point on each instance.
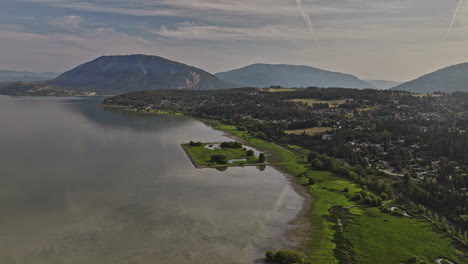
(24, 76)
(110, 75)
(450, 79)
(265, 75)
(383, 84)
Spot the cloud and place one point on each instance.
(278, 8)
(67, 22)
(372, 38)
(188, 31)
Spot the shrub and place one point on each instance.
(311, 181)
(269, 255)
(250, 153)
(288, 257)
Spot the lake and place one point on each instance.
(83, 184)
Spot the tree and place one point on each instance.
(250, 153)
(232, 144)
(261, 158)
(220, 159)
(195, 144)
(318, 164)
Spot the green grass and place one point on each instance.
(377, 237)
(328, 191)
(202, 155)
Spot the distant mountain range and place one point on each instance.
(383, 84)
(288, 76)
(25, 76)
(110, 75)
(450, 79)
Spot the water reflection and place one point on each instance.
(82, 184)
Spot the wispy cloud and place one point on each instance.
(358, 36)
(189, 31)
(308, 21)
(457, 10)
(67, 22)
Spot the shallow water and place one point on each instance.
(82, 184)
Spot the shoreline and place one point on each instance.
(302, 227)
(302, 230)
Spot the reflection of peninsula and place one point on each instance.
(112, 118)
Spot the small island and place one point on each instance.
(225, 154)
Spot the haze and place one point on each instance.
(384, 39)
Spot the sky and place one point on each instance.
(372, 39)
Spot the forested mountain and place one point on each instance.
(383, 84)
(449, 80)
(25, 76)
(118, 74)
(265, 75)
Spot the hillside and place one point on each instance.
(450, 79)
(265, 75)
(383, 84)
(25, 76)
(119, 74)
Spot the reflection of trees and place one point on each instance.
(112, 118)
(221, 169)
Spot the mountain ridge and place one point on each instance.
(108, 75)
(289, 76)
(449, 79)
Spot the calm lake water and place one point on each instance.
(82, 184)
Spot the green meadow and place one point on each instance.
(202, 155)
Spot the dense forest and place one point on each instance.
(396, 144)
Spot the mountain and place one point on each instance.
(451, 79)
(120, 74)
(265, 75)
(383, 84)
(25, 76)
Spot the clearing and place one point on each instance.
(312, 102)
(309, 131)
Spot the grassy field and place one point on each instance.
(311, 102)
(370, 235)
(377, 237)
(202, 155)
(309, 131)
